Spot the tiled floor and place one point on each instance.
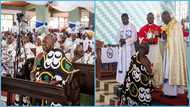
(105, 95)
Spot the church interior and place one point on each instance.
(68, 26)
(107, 45)
(94, 53)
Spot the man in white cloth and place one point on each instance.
(8, 55)
(175, 57)
(128, 36)
(88, 41)
(38, 44)
(30, 48)
(67, 43)
(70, 44)
(14, 28)
(88, 52)
(56, 38)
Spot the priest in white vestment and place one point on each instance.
(175, 57)
(128, 36)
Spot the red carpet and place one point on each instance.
(179, 100)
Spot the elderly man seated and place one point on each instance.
(52, 67)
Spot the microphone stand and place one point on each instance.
(17, 49)
(19, 74)
(18, 52)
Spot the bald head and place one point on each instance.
(48, 43)
(166, 18)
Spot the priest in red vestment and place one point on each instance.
(150, 34)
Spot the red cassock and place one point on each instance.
(151, 28)
(185, 32)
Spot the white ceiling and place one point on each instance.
(66, 5)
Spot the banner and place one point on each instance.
(109, 54)
(40, 24)
(41, 27)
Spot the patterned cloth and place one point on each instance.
(8, 58)
(150, 31)
(138, 84)
(53, 66)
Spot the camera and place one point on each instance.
(19, 17)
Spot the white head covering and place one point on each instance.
(41, 38)
(76, 27)
(72, 31)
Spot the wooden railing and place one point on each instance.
(46, 91)
(33, 89)
(86, 77)
(104, 73)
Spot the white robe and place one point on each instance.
(169, 90)
(29, 54)
(69, 47)
(175, 61)
(8, 58)
(39, 49)
(57, 45)
(15, 29)
(87, 42)
(155, 58)
(67, 44)
(126, 51)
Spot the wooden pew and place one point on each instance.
(46, 91)
(86, 77)
(103, 74)
(33, 89)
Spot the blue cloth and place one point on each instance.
(39, 24)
